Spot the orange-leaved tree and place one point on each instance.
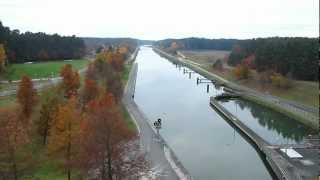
(13, 136)
(90, 92)
(26, 96)
(241, 71)
(48, 111)
(71, 80)
(3, 58)
(108, 146)
(64, 134)
(118, 61)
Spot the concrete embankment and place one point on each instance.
(158, 152)
(306, 115)
(280, 166)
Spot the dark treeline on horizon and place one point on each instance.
(94, 43)
(296, 56)
(199, 43)
(28, 46)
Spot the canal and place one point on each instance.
(205, 143)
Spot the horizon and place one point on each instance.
(162, 20)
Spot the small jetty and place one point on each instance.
(226, 96)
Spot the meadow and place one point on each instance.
(41, 69)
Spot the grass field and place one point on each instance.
(206, 56)
(302, 91)
(7, 101)
(40, 70)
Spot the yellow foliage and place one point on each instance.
(65, 127)
(241, 71)
(280, 81)
(2, 58)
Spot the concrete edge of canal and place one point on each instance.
(280, 166)
(131, 106)
(309, 119)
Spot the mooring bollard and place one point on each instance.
(157, 125)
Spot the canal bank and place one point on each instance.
(308, 117)
(165, 164)
(280, 166)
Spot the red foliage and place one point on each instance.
(71, 80)
(250, 61)
(107, 142)
(27, 96)
(13, 135)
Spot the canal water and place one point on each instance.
(204, 142)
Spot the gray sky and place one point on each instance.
(160, 19)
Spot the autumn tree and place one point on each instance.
(43, 55)
(3, 58)
(91, 72)
(118, 61)
(280, 81)
(48, 111)
(26, 96)
(13, 137)
(64, 134)
(71, 80)
(108, 145)
(174, 47)
(241, 71)
(114, 86)
(90, 91)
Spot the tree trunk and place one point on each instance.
(103, 169)
(69, 151)
(46, 130)
(109, 158)
(15, 171)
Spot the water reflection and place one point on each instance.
(274, 127)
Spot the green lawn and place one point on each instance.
(302, 91)
(7, 101)
(40, 70)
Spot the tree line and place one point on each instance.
(294, 57)
(198, 43)
(28, 46)
(82, 127)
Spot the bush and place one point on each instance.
(265, 76)
(218, 65)
(241, 71)
(280, 81)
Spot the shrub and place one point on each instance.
(280, 81)
(241, 71)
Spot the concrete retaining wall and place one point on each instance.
(280, 166)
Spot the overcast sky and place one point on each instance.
(160, 19)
